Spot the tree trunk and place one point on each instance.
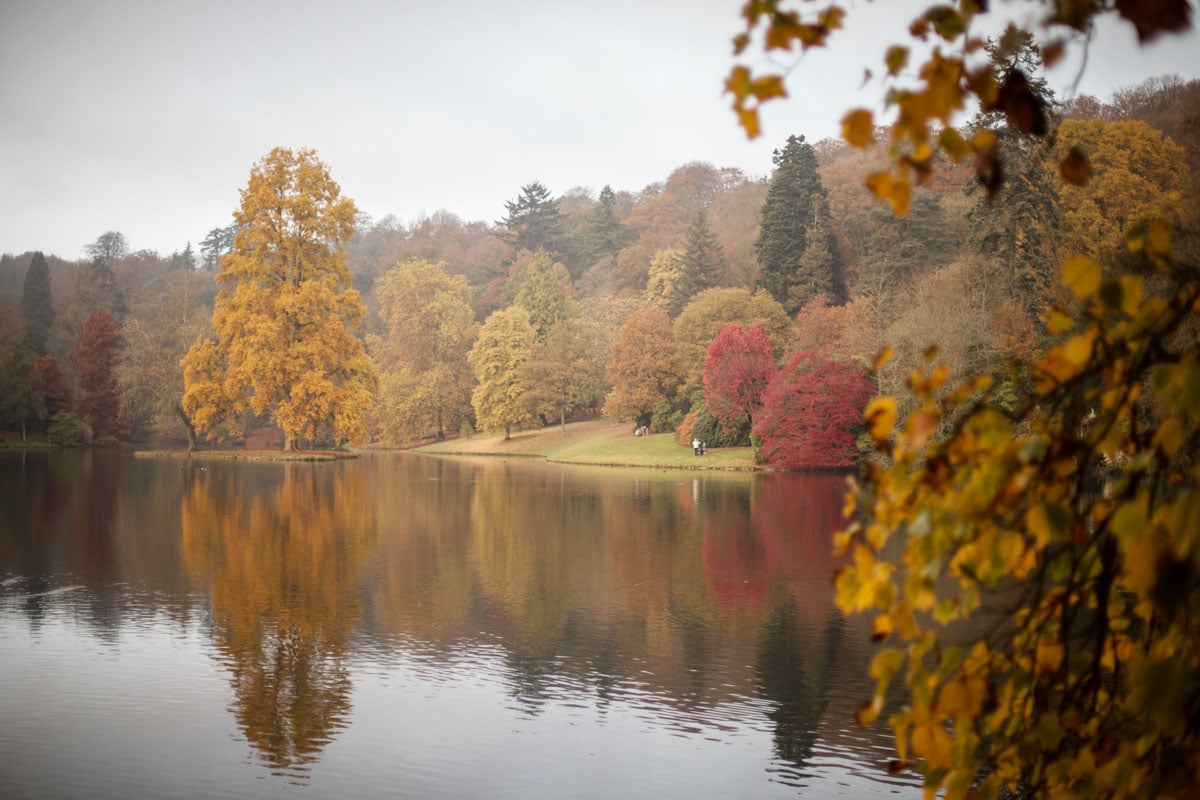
(187, 424)
(562, 415)
(507, 432)
(289, 444)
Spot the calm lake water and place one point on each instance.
(408, 626)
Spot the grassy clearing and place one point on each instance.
(597, 442)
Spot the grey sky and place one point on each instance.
(144, 116)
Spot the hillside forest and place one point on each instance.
(727, 307)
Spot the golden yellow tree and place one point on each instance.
(429, 328)
(286, 313)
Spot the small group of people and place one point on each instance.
(699, 448)
(641, 430)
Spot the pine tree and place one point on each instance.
(1019, 219)
(703, 257)
(819, 270)
(792, 207)
(37, 307)
(533, 222)
(605, 235)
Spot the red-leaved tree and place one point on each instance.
(51, 384)
(812, 412)
(737, 370)
(95, 360)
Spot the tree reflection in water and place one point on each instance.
(280, 549)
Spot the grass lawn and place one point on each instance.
(598, 442)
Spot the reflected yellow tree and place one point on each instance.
(281, 552)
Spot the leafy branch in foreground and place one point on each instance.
(1045, 611)
(956, 73)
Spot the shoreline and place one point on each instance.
(247, 455)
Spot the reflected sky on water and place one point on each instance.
(424, 627)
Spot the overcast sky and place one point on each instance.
(144, 116)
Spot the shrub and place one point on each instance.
(66, 430)
(812, 413)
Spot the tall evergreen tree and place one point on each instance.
(788, 215)
(217, 243)
(820, 270)
(1018, 221)
(703, 256)
(605, 235)
(37, 307)
(533, 222)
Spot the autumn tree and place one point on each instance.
(737, 370)
(1034, 573)
(666, 285)
(710, 311)
(564, 374)
(286, 313)
(643, 367)
(505, 345)
(795, 222)
(161, 326)
(812, 413)
(52, 385)
(95, 359)
(428, 329)
(1137, 175)
(545, 292)
(37, 304)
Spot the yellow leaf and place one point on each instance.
(858, 128)
(1064, 362)
(880, 417)
(1158, 240)
(748, 117)
(1048, 523)
(1081, 275)
(767, 87)
(885, 355)
(896, 59)
(963, 695)
(1049, 656)
(931, 742)
(1058, 321)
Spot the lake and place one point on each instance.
(410, 626)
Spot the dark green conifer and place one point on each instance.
(794, 200)
(703, 257)
(37, 306)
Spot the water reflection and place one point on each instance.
(279, 551)
(499, 622)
